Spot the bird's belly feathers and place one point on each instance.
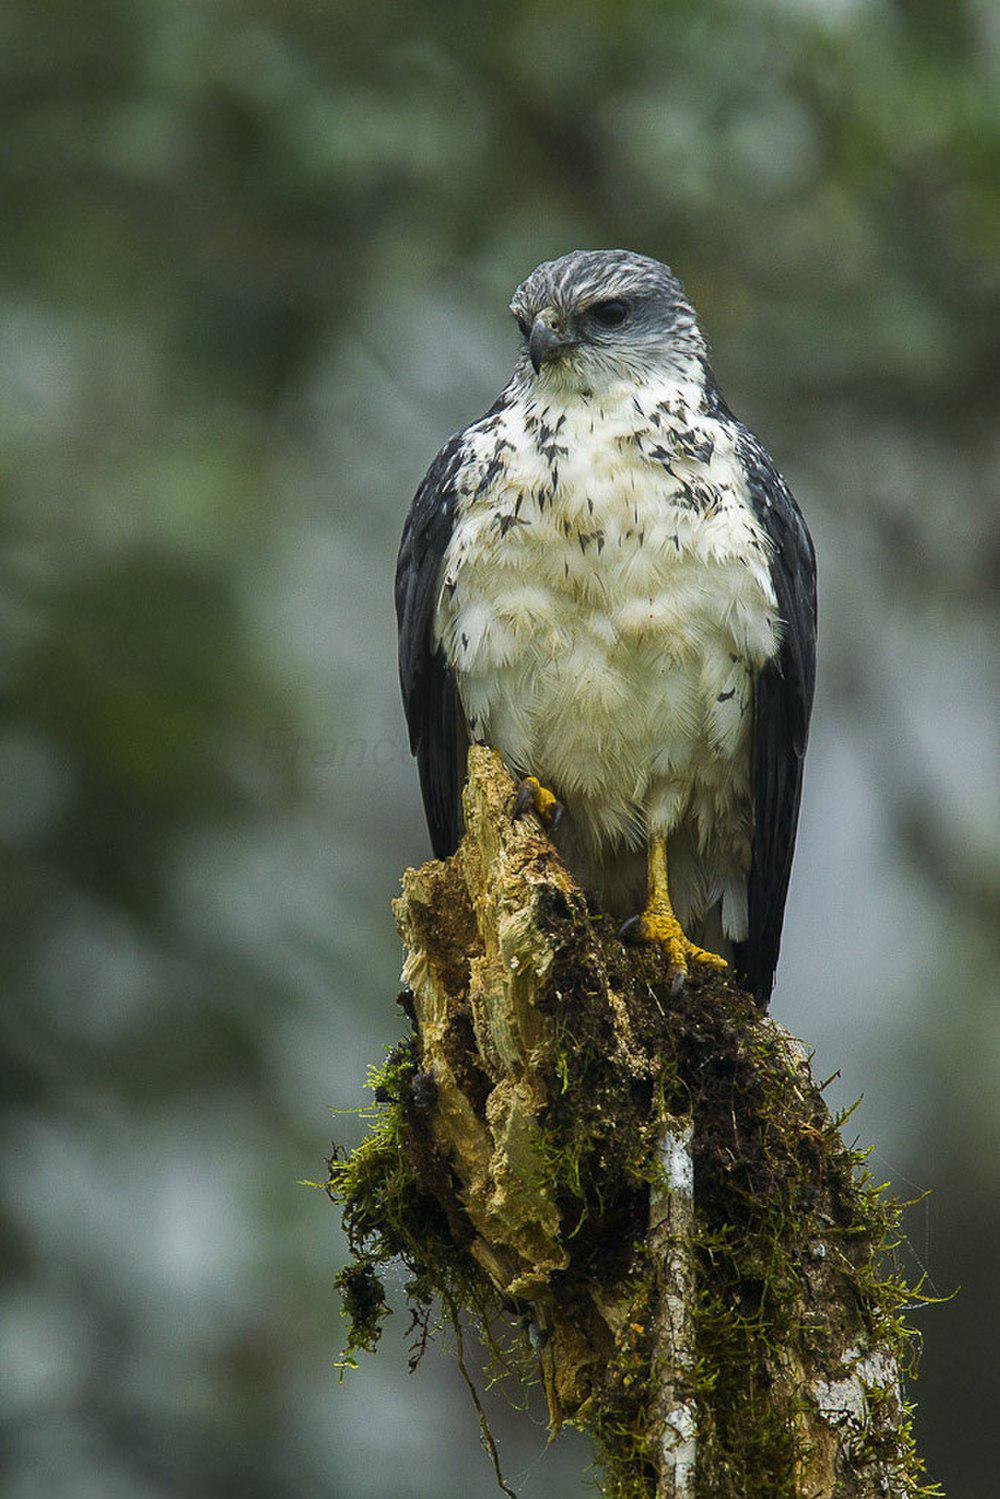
(605, 638)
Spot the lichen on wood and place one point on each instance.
(640, 1190)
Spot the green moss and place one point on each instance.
(778, 1198)
(619, 1423)
(389, 1213)
(777, 1191)
(363, 1299)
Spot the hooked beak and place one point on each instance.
(548, 340)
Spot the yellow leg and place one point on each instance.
(531, 793)
(658, 922)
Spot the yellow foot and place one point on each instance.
(659, 924)
(531, 793)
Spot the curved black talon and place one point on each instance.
(525, 798)
(631, 931)
(532, 796)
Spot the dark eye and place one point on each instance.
(524, 324)
(609, 314)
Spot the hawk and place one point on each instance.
(607, 579)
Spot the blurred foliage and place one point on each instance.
(255, 264)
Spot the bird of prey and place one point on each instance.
(607, 579)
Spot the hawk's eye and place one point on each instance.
(609, 314)
(524, 324)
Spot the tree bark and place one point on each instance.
(648, 1183)
(673, 1416)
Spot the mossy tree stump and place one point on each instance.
(643, 1190)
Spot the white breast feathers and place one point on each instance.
(605, 605)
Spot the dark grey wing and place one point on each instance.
(438, 736)
(782, 705)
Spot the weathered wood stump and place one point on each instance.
(644, 1188)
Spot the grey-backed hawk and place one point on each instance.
(607, 579)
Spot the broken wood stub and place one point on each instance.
(649, 1183)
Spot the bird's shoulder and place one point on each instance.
(454, 470)
(451, 469)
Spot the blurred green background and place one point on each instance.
(255, 265)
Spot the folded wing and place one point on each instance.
(438, 736)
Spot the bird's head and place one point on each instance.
(594, 317)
